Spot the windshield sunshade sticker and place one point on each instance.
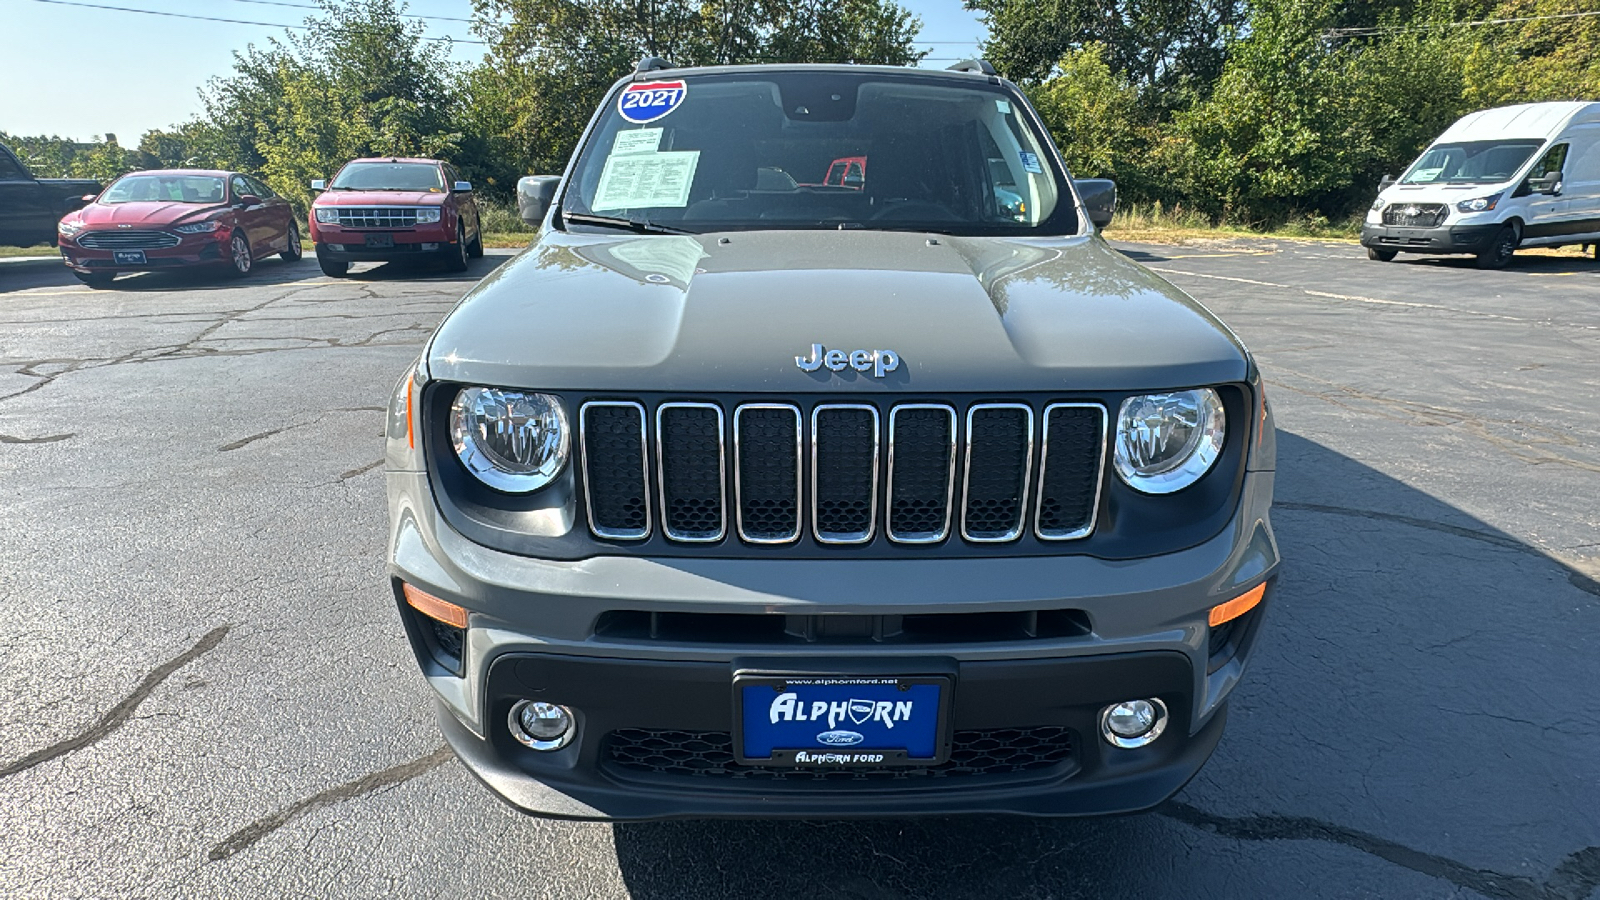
(643, 103)
(1030, 161)
(637, 140)
(645, 180)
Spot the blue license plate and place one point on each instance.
(128, 257)
(833, 721)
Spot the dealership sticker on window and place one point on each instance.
(648, 102)
(1004, 106)
(1030, 161)
(644, 180)
(637, 140)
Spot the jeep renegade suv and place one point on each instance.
(740, 493)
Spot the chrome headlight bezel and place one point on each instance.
(427, 215)
(326, 215)
(1142, 424)
(543, 458)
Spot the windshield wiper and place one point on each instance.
(632, 225)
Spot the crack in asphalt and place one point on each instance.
(397, 774)
(1574, 878)
(118, 715)
(47, 439)
(1469, 533)
(360, 470)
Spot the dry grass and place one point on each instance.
(1152, 223)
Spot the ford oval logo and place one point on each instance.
(840, 738)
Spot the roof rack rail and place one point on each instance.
(975, 66)
(651, 64)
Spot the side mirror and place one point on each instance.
(317, 184)
(1384, 182)
(464, 186)
(1099, 197)
(535, 193)
(854, 182)
(248, 200)
(88, 198)
(1546, 184)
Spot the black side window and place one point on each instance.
(10, 170)
(260, 188)
(240, 187)
(450, 177)
(1553, 162)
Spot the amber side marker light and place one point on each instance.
(434, 608)
(411, 433)
(1238, 606)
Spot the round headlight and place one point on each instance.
(1165, 442)
(512, 441)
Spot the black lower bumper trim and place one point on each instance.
(1031, 727)
(1444, 239)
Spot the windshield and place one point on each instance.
(1471, 162)
(373, 176)
(165, 188)
(823, 149)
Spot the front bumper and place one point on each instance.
(538, 629)
(192, 250)
(1443, 239)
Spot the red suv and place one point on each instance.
(396, 208)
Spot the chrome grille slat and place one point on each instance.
(843, 509)
(127, 240)
(766, 481)
(692, 495)
(925, 463)
(995, 498)
(1064, 489)
(377, 216)
(624, 512)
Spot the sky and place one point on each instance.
(79, 72)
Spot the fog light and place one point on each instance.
(1133, 723)
(541, 725)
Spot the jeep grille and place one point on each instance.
(837, 472)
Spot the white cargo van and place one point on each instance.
(1517, 176)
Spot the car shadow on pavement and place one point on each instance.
(269, 271)
(1410, 725)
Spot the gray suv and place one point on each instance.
(747, 491)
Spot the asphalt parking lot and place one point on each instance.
(207, 694)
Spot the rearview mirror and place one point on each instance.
(535, 193)
(1099, 197)
(1384, 182)
(1546, 184)
(317, 184)
(463, 186)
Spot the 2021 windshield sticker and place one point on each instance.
(643, 103)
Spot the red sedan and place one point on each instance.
(168, 218)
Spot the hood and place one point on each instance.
(380, 198)
(151, 213)
(1442, 193)
(693, 314)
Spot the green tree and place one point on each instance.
(1095, 117)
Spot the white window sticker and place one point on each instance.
(1030, 162)
(1004, 106)
(641, 180)
(637, 140)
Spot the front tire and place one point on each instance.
(293, 251)
(97, 280)
(455, 255)
(1382, 255)
(333, 268)
(1500, 250)
(239, 255)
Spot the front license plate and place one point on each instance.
(128, 257)
(380, 240)
(841, 721)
